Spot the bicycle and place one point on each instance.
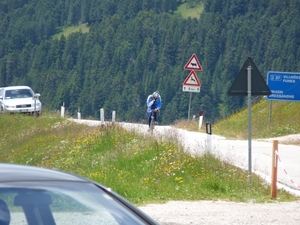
(152, 121)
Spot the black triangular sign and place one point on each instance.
(240, 84)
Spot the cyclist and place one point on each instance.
(154, 104)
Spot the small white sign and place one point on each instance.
(188, 88)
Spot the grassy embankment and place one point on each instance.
(269, 119)
(141, 169)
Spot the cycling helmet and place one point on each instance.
(155, 95)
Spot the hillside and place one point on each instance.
(133, 48)
(269, 119)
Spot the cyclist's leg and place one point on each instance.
(149, 118)
(155, 117)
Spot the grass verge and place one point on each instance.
(142, 170)
(269, 119)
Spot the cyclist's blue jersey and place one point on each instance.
(151, 105)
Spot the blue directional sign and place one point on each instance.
(284, 86)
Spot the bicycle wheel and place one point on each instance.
(152, 124)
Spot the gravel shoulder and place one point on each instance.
(221, 212)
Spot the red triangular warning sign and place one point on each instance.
(192, 80)
(193, 64)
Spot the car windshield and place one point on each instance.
(18, 93)
(65, 203)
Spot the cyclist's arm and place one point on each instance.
(158, 103)
(150, 101)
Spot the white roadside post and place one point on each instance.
(200, 119)
(78, 114)
(113, 120)
(62, 110)
(102, 116)
(35, 97)
(208, 137)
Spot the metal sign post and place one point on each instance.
(34, 107)
(249, 125)
(249, 82)
(190, 102)
(191, 83)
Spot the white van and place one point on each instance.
(19, 99)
